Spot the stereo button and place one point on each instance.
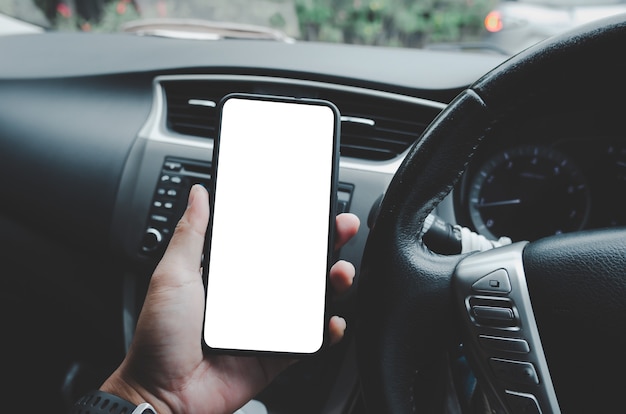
(151, 240)
(159, 218)
(172, 166)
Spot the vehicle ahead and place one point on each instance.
(514, 25)
(102, 135)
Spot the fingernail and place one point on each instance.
(342, 323)
(339, 328)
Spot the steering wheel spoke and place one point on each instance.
(501, 335)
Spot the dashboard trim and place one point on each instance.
(154, 128)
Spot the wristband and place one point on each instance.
(100, 402)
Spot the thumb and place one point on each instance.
(184, 251)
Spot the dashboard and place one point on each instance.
(101, 137)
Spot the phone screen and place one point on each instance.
(269, 241)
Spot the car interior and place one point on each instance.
(103, 135)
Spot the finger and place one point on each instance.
(184, 251)
(336, 329)
(346, 226)
(341, 276)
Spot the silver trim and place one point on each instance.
(154, 128)
(202, 102)
(357, 120)
(527, 396)
(316, 84)
(475, 267)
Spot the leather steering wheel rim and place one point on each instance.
(406, 315)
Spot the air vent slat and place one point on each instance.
(190, 125)
(374, 127)
(374, 140)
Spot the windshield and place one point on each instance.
(403, 23)
(574, 3)
(461, 24)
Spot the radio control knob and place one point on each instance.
(151, 240)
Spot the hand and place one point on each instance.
(165, 365)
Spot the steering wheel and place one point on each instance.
(542, 324)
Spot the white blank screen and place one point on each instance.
(268, 259)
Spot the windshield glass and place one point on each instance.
(461, 24)
(573, 3)
(405, 23)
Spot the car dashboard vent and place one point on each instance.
(374, 126)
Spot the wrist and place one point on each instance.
(100, 402)
(133, 393)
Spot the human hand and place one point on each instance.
(165, 364)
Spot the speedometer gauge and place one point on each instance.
(528, 192)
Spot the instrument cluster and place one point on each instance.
(529, 190)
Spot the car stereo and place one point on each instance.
(169, 200)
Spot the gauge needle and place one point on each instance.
(499, 203)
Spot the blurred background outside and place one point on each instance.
(404, 23)
(496, 26)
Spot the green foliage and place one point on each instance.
(115, 16)
(407, 23)
(64, 16)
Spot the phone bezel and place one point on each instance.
(331, 219)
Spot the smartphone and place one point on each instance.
(269, 243)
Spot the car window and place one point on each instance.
(573, 3)
(493, 26)
(395, 23)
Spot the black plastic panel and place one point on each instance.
(63, 144)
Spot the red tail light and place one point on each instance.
(493, 21)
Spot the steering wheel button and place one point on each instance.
(522, 403)
(497, 343)
(514, 371)
(495, 282)
(492, 315)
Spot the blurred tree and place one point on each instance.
(83, 14)
(407, 23)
